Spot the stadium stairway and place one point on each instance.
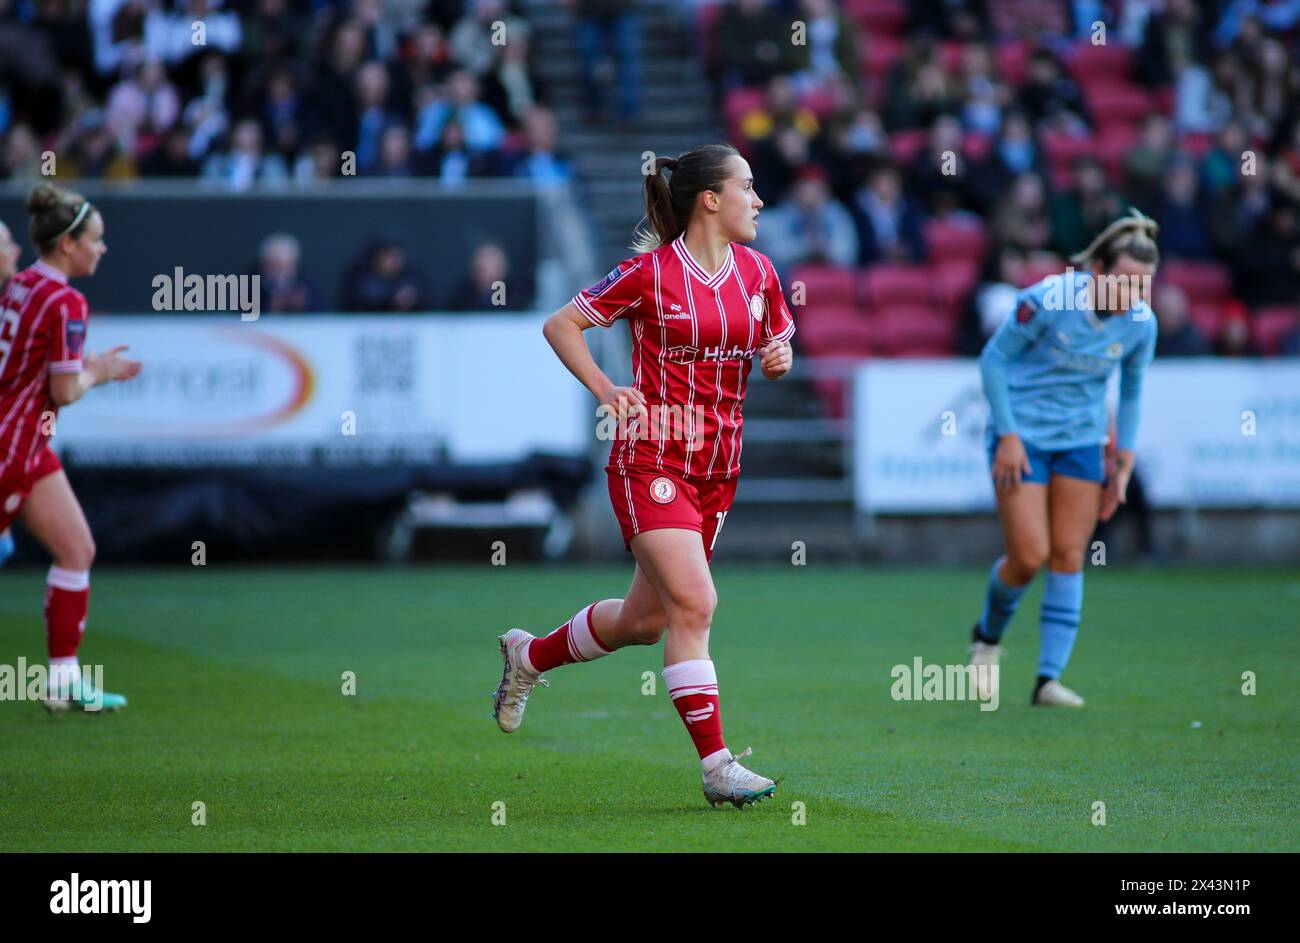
(791, 454)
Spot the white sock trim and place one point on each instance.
(710, 762)
(582, 640)
(696, 676)
(72, 580)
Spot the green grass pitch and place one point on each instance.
(234, 680)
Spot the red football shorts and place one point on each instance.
(17, 484)
(654, 500)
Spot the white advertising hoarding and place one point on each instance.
(1214, 433)
(303, 389)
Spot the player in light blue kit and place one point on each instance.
(1045, 373)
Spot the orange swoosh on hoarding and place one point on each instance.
(303, 379)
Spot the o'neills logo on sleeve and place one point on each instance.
(76, 896)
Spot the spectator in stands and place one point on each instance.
(93, 153)
(476, 37)
(509, 87)
(919, 89)
(1286, 165)
(985, 96)
(1085, 209)
(487, 286)
(830, 46)
(286, 120)
(1179, 336)
(169, 35)
(274, 33)
(246, 161)
(1180, 214)
(1235, 338)
(450, 160)
(809, 226)
(994, 299)
(1221, 166)
(141, 107)
(283, 289)
(753, 43)
(335, 84)
(1148, 162)
(383, 279)
(395, 156)
(172, 157)
(429, 59)
(483, 129)
(22, 154)
(1051, 97)
(539, 161)
(1021, 219)
(781, 131)
(1268, 262)
(373, 114)
(944, 179)
(609, 28)
(889, 226)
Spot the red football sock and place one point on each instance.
(67, 598)
(573, 641)
(693, 686)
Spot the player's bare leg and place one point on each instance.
(674, 562)
(606, 626)
(1074, 506)
(1023, 514)
(54, 517)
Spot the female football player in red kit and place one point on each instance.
(42, 333)
(700, 305)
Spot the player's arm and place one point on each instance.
(98, 369)
(777, 354)
(563, 331)
(1008, 342)
(1127, 418)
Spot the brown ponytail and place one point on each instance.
(1133, 235)
(669, 201)
(55, 212)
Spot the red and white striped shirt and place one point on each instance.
(42, 331)
(694, 337)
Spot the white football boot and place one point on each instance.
(982, 653)
(1055, 694)
(517, 682)
(731, 782)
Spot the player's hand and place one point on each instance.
(624, 402)
(1010, 461)
(1116, 491)
(776, 359)
(111, 365)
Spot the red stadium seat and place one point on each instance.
(907, 145)
(1272, 324)
(915, 330)
(958, 238)
(1114, 102)
(706, 23)
(831, 331)
(1089, 63)
(1206, 315)
(1013, 62)
(878, 16)
(953, 282)
(950, 52)
(1196, 143)
(880, 55)
(738, 103)
(1038, 268)
(1202, 280)
(976, 147)
(1114, 141)
(825, 285)
(893, 284)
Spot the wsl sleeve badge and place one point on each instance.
(605, 282)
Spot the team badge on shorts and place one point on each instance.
(663, 490)
(756, 307)
(12, 502)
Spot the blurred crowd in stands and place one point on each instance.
(272, 90)
(923, 159)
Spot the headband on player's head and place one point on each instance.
(76, 220)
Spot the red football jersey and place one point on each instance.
(42, 331)
(693, 340)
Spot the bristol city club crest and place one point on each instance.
(756, 307)
(663, 490)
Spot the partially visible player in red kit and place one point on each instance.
(42, 367)
(701, 306)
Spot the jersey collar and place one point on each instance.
(688, 260)
(49, 271)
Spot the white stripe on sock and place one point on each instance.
(71, 580)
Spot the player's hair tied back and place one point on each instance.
(670, 199)
(1133, 235)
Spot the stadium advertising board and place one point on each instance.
(1214, 434)
(303, 390)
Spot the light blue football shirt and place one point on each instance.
(1046, 368)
